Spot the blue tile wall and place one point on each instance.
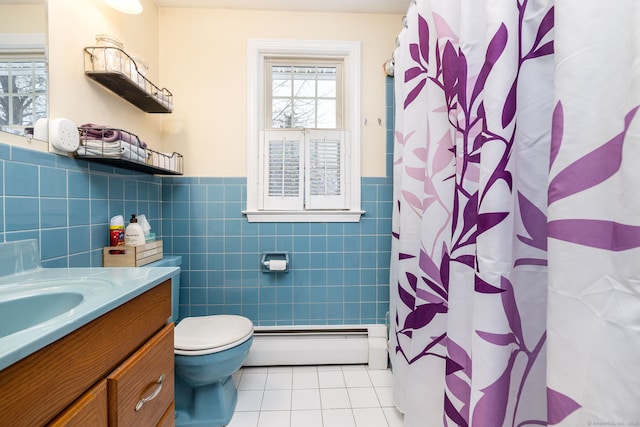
(390, 111)
(66, 203)
(339, 272)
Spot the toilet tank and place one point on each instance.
(172, 261)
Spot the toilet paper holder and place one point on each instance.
(280, 262)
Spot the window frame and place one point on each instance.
(259, 50)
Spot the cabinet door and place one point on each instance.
(89, 410)
(169, 417)
(141, 389)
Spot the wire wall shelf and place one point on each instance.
(117, 147)
(114, 69)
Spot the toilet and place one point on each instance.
(208, 351)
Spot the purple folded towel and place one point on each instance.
(107, 134)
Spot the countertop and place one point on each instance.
(104, 289)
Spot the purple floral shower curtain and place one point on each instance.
(515, 297)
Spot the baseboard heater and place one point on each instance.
(319, 345)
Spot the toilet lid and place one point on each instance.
(219, 332)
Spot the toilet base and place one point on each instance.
(210, 405)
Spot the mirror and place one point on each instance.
(23, 65)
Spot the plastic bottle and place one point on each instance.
(133, 234)
(116, 231)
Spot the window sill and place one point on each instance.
(304, 216)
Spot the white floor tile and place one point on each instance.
(249, 400)
(305, 399)
(274, 419)
(360, 368)
(276, 400)
(381, 378)
(331, 379)
(251, 381)
(236, 377)
(338, 418)
(334, 398)
(394, 417)
(280, 368)
(370, 417)
(357, 379)
(244, 419)
(385, 396)
(315, 396)
(278, 380)
(363, 397)
(305, 368)
(306, 418)
(304, 379)
(255, 369)
(325, 368)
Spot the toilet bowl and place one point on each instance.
(208, 350)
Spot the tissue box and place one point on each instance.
(132, 256)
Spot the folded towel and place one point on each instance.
(90, 131)
(116, 149)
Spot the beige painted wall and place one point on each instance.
(24, 18)
(200, 55)
(203, 61)
(73, 25)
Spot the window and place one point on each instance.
(303, 133)
(304, 94)
(23, 81)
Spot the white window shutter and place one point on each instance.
(325, 169)
(282, 180)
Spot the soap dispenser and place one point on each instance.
(133, 234)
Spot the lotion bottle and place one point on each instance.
(133, 234)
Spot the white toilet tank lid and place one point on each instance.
(212, 332)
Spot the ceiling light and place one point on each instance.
(132, 7)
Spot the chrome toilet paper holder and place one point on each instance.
(280, 264)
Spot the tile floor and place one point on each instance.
(314, 396)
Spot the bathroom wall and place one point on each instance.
(339, 272)
(22, 18)
(203, 60)
(66, 203)
(73, 25)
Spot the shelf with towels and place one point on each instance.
(120, 148)
(114, 69)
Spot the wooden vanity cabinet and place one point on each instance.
(82, 378)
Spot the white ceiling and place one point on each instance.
(356, 6)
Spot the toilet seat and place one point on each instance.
(195, 336)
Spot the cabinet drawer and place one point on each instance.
(141, 389)
(89, 410)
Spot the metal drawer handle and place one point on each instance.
(153, 395)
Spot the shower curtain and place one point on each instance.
(515, 272)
